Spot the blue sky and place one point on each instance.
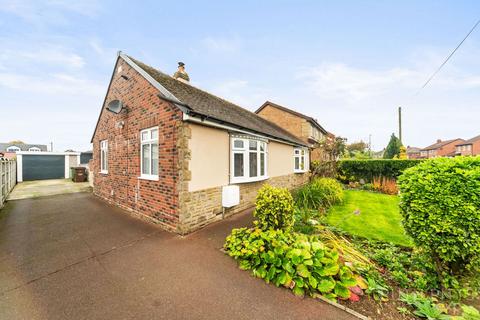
(347, 63)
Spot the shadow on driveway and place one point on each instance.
(76, 257)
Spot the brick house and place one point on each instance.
(306, 128)
(182, 157)
(413, 152)
(470, 147)
(441, 149)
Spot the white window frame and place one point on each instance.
(13, 149)
(245, 152)
(34, 149)
(302, 155)
(104, 156)
(150, 140)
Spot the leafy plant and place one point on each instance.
(424, 307)
(440, 205)
(299, 262)
(274, 208)
(469, 313)
(376, 289)
(320, 193)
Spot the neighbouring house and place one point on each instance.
(182, 157)
(306, 128)
(413, 152)
(471, 147)
(441, 149)
(9, 149)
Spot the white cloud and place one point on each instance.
(48, 12)
(53, 84)
(240, 92)
(222, 45)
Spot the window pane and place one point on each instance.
(154, 134)
(262, 146)
(262, 164)
(297, 151)
(297, 163)
(238, 144)
(144, 135)
(302, 163)
(146, 159)
(253, 164)
(238, 165)
(252, 144)
(155, 158)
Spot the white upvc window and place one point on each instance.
(149, 154)
(34, 149)
(13, 149)
(104, 156)
(248, 160)
(300, 156)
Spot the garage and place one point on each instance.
(41, 167)
(45, 165)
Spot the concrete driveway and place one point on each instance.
(75, 257)
(44, 188)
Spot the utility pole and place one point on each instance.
(370, 145)
(400, 123)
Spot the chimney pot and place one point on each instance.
(181, 74)
(439, 140)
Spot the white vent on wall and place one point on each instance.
(230, 196)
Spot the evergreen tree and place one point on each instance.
(393, 148)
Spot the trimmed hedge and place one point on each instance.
(354, 170)
(440, 204)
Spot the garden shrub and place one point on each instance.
(274, 208)
(299, 262)
(355, 170)
(321, 193)
(385, 185)
(440, 204)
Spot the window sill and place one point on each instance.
(247, 180)
(103, 172)
(148, 177)
(300, 171)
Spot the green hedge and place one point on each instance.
(354, 170)
(440, 204)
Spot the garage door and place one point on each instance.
(39, 167)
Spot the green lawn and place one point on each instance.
(379, 216)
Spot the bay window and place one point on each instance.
(149, 153)
(300, 160)
(104, 156)
(248, 159)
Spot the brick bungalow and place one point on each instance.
(182, 157)
(306, 128)
(441, 149)
(471, 147)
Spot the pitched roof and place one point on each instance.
(440, 144)
(298, 114)
(22, 146)
(470, 141)
(413, 149)
(202, 103)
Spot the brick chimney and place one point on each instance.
(181, 74)
(439, 140)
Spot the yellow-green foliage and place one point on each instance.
(274, 208)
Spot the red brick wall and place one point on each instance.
(155, 199)
(448, 148)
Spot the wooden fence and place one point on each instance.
(8, 178)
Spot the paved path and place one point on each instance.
(75, 257)
(43, 188)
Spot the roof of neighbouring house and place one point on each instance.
(413, 150)
(469, 141)
(298, 114)
(202, 103)
(22, 146)
(440, 144)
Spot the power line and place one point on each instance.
(448, 58)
